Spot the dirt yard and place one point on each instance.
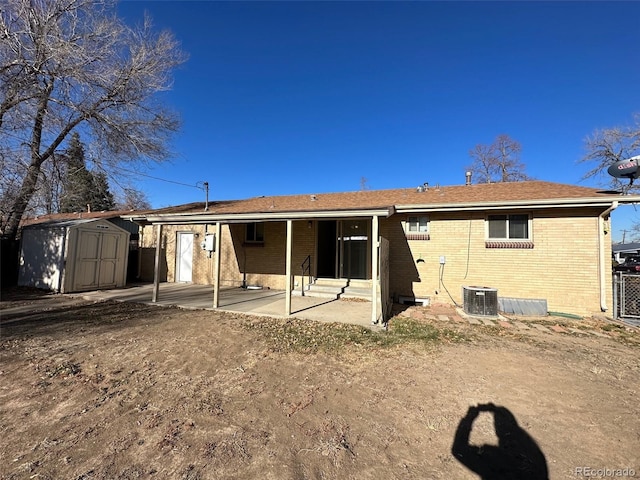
(125, 391)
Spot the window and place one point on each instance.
(255, 233)
(417, 228)
(510, 231)
(509, 227)
(417, 225)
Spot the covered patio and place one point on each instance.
(263, 302)
(368, 259)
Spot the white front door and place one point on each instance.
(184, 262)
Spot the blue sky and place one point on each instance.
(310, 97)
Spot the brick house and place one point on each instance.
(425, 243)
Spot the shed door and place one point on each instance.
(107, 276)
(97, 260)
(87, 261)
(184, 264)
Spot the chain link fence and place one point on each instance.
(626, 293)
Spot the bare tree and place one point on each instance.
(133, 199)
(72, 65)
(609, 145)
(483, 163)
(47, 198)
(9, 184)
(497, 162)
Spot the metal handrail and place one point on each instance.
(306, 267)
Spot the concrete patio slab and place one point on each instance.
(262, 302)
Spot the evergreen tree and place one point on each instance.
(102, 198)
(83, 189)
(78, 186)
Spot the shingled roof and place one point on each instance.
(461, 195)
(63, 217)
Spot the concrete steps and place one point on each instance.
(338, 288)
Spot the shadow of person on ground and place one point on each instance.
(517, 455)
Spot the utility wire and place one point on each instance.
(14, 150)
(444, 286)
(160, 179)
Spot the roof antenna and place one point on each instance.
(205, 187)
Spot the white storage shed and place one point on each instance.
(74, 255)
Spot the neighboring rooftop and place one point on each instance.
(625, 247)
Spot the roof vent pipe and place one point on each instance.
(468, 178)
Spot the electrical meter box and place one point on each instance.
(209, 243)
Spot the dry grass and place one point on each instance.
(303, 336)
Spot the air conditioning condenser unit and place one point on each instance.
(480, 301)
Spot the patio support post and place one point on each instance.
(374, 270)
(287, 298)
(156, 266)
(216, 279)
(140, 244)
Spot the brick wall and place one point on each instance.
(202, 264)
(256, 264)
(561, 266)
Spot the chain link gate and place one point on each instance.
(626, 293)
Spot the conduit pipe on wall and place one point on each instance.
(605, 265)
